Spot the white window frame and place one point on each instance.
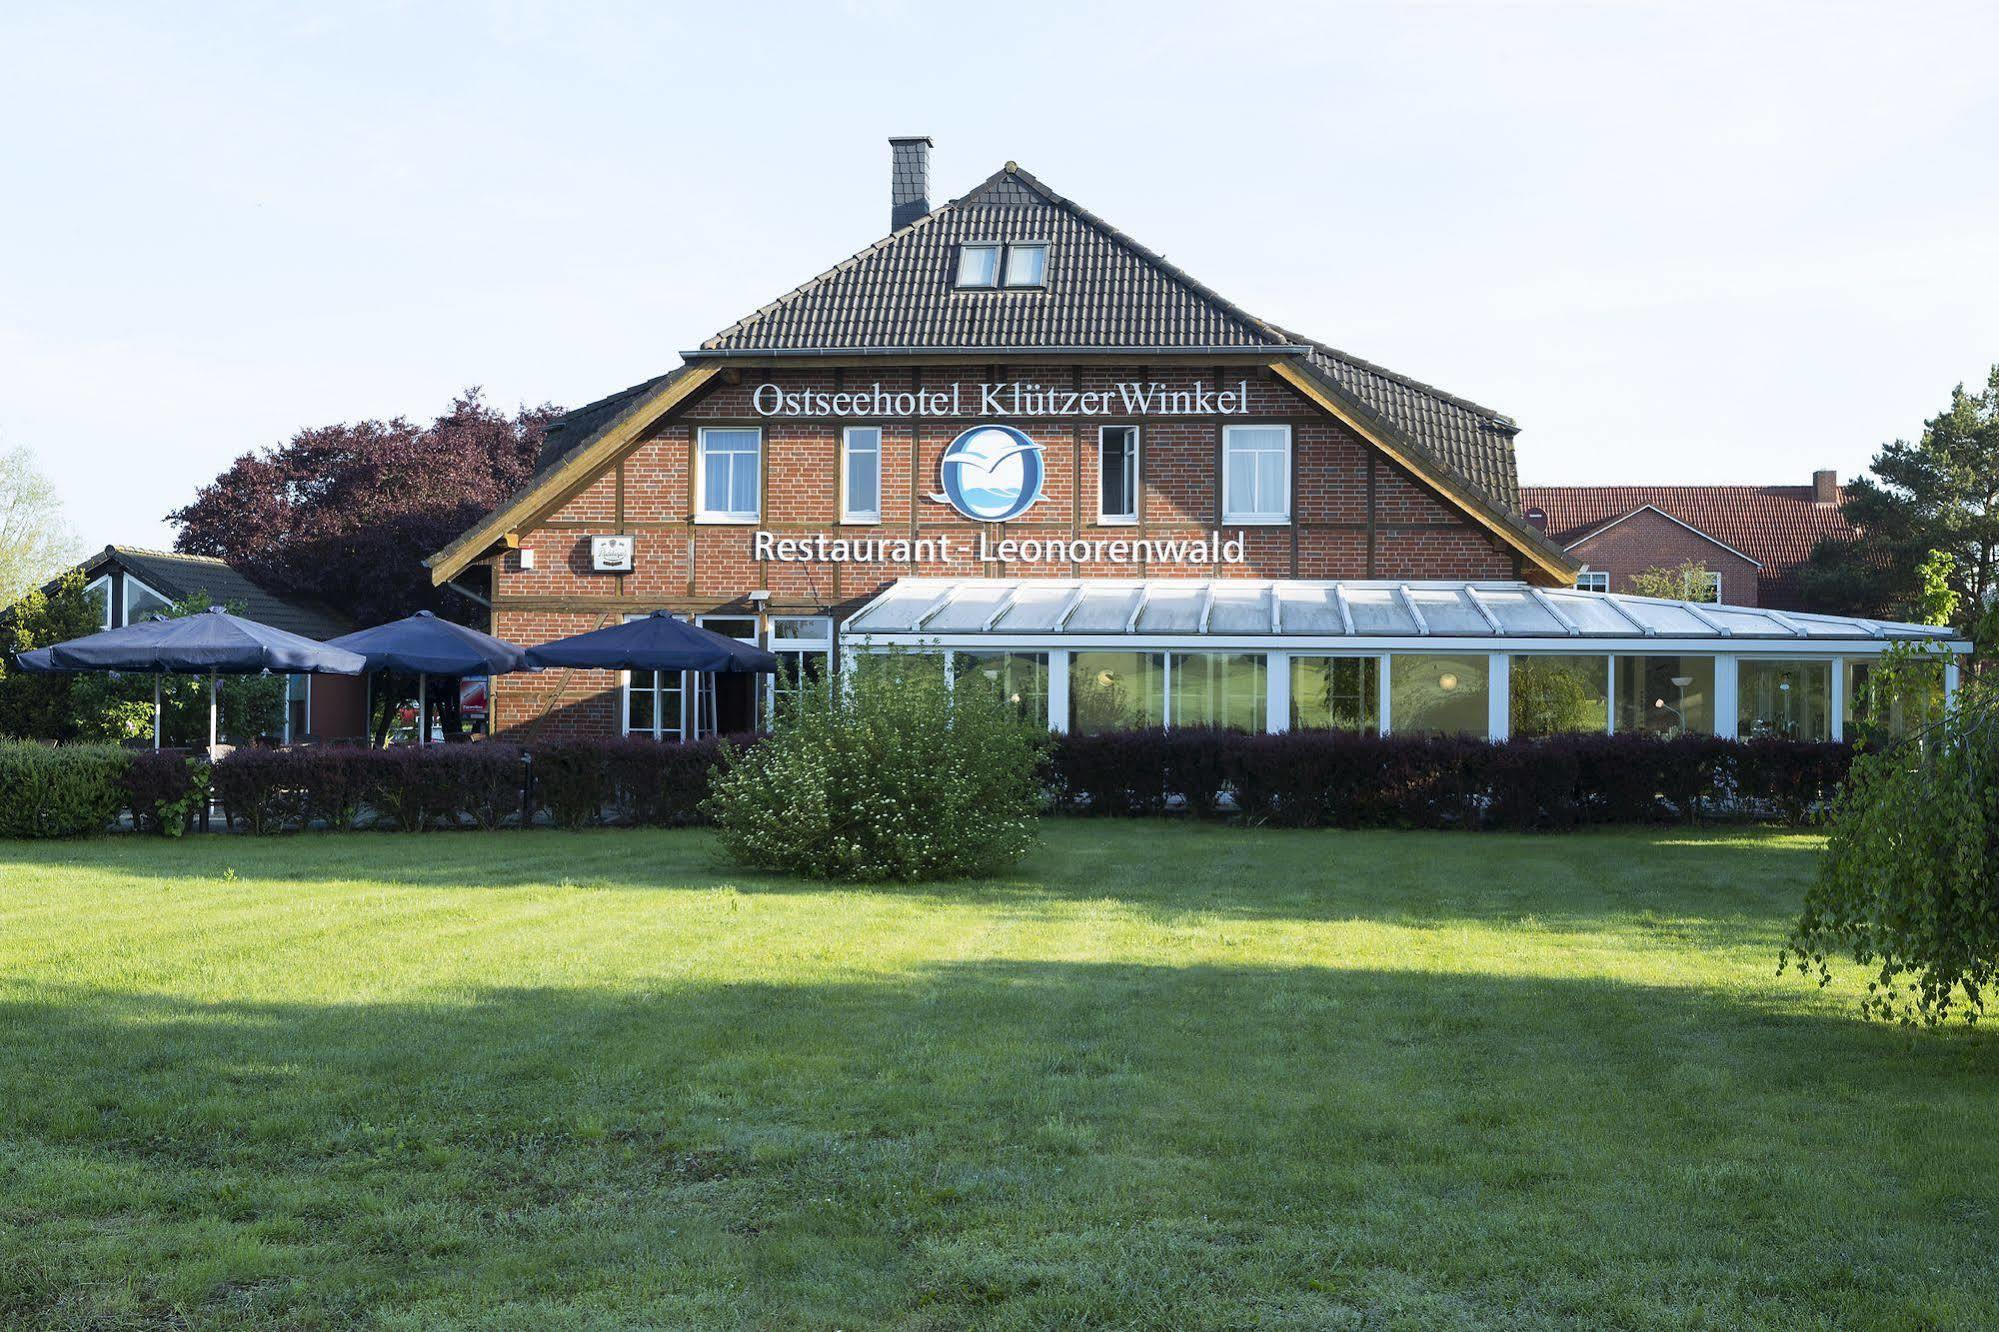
(704, 514)
(125, 586)
(1714, 583)
(660, 731)
(848, 513)
(1006, 265)
(781, 643)
(1593, 580)
(1105, 519)
(965, 248)
(102, 583)
(1233, 514)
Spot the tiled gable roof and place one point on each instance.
(1475, 442)
(1777, 526)
(1103, 289)
(179, 576)
(1104, 293)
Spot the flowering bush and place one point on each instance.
(889, 776)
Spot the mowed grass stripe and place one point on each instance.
(1161, 1076)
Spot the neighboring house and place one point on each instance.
(1752, 538)
(128, 582)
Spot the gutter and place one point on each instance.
(1000, 354)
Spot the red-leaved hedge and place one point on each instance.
(1345, 780)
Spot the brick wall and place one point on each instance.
(1650, 540)
(1355, 514)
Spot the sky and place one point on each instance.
(1677, 243)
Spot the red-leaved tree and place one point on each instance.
(346, 514)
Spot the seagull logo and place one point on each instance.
(991, 473)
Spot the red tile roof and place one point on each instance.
(1775, 525)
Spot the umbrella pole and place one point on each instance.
(212, 718)
(156, 710)
(422, 708)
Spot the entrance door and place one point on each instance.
(729, 702)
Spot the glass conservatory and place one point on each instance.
(1495, 659)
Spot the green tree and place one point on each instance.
(1909, 881)
(98, 706)
(1691, 581)
(1939, 494)
(35, 542)
(1936, 600)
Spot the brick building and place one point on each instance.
(1007, 400)
(1751, 538)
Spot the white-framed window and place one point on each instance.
(1027, 264)
(1256, 474)
(730, 461)
(1117, 474)
(979, 264)
(1712, 592)
(1593, 580)
(100, 588)
(804, 648)
(861, 474)
(652, 701)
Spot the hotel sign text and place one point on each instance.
(1005, 399)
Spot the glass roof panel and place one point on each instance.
(1240, 609)
(1105, 608)
(1035, 608)
(1519, 613)
(1667, 618)
(1308, 608)
(1745, 623)
(1172, 609)
(968, 609)
(1449, 611)
(895, 610)
(1593, 613)
(1379, 610)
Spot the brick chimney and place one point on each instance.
(908, 180)
(1825, 486)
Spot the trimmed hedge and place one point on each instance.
(336, 786)
(639, 783)
(60, 791)
(164, 789)
(1297, 779)
(1345, 780)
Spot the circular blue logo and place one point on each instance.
(992, 473)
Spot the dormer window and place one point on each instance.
(1027, 265)
(978, 265)
(986, 265)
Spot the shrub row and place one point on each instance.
(1298, 779)
(637, 782)
(1344, 780)
(339, 786)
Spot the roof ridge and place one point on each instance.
(1011, 170)
(856, 257)
(151, 553)
(1150, 256)
(1672, 485)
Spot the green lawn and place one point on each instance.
(1164, 1077)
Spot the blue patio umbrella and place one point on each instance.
(213, 643)
(428, 646)
(656, 642)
